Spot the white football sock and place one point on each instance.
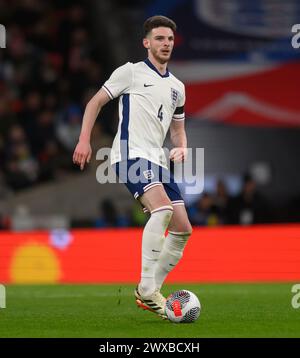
(170, 255)
(152, 243)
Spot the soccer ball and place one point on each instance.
(183, 307)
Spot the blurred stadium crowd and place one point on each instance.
(47, 74)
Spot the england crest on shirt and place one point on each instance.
(174, 97)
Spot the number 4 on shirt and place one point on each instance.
(160, 113)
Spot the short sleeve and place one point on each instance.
(179, 114)
(119, 81)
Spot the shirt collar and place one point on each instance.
(150, 64)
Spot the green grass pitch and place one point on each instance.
(105, 311)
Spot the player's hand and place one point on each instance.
(82, 154)
(178, 154)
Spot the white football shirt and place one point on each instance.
(148, 103)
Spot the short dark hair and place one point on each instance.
(158, 21)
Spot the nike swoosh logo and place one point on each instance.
(155, 251)
(145, 85)
(171, 265)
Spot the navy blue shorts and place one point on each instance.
(140, 175)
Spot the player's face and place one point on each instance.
(160, 42)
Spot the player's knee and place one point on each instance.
(185, 228)
(157, 204)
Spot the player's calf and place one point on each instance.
(170, 255)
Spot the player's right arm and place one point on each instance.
(118, 83)
(83, 150)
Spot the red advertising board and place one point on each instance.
(221, 254)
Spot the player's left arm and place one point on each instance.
(179, 141)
